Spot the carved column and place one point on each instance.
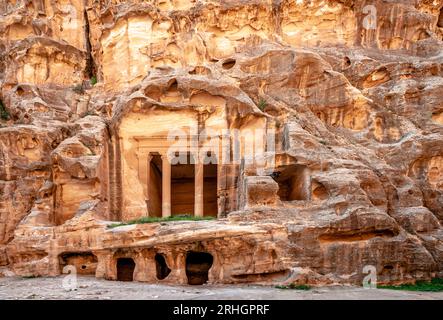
(166, 187)
(143, 170)
(148, 182)
(199, 180)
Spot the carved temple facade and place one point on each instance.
(185, 162)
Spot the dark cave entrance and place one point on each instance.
(228, 64)
(197, 267)
(125, 269)
(161, 267)
(84, 262)
(210, 190)
(440, 19)
(294, 183)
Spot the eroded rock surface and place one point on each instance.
(90, 91)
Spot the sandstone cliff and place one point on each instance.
(356, 105)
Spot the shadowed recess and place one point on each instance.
(197, 267)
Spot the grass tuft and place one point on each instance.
(262, 104)
(435, 285)
(293, 286)
(145, 220)
(4, 114)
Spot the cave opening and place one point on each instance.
(161, 267)
(228, 64)
(347, 62)
(84, 262)
(319, 191)
(440, 19)
(294, 183)
(20, 91)
(173, 85)
(197, 267)
(125, 269)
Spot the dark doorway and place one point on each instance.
(155, 186)
(210, 190)
(197, 267)
(161, 267)
(440, 19)
(125, 269)
(182, 186)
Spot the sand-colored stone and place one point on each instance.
(357, 174)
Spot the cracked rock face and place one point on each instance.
(91, 89)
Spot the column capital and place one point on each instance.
(142, 153)
(165, 156)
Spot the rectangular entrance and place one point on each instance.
(210, 203)
(191, 189)
(155, 186)
(183, 188)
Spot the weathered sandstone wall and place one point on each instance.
(356, 105)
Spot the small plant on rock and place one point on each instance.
(262, 104)
(294, 286)
(4, 114)
(435, 285)
(93, 81)
(144, 220)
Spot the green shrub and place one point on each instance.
(262, 104)
(93, 81)
(145, 220)
(435, 285)
(294, 286)
(4, 114)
